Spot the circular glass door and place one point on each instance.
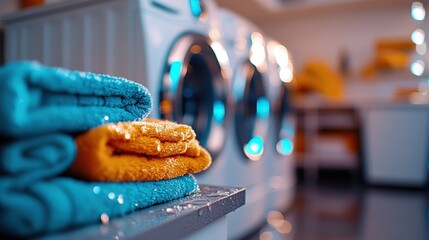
(193, 91)
(252, 110)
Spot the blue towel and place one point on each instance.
(35, 99)
(34, 199)
(61, 203)
(41, 157)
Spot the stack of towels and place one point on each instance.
(76, 148)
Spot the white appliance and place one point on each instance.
(244, 165)
(280, 171)
(396, 140)
(164, 45)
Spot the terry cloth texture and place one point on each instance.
(39, 107)
(36, 99)
(59, 203)
(138, 151)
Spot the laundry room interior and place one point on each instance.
(214, 119)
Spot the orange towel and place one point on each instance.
(138, 151)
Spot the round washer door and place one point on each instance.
(252, 110)
(193, 91)
(285, 124)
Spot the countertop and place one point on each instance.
(177, 218)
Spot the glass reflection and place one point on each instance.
(175, 72)
(257, 50)
(418, 11)
(263, 107)
(417, 68)
(418, 36)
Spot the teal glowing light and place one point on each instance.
(285, 146)
(195, 7)
(255, 146)
(218, 111)
(263, 107)
(175, 71)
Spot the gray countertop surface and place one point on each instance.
(177, 218)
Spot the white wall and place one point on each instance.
(323, 34)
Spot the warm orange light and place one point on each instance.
(196, 49)
(166, 106)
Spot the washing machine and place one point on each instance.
(246, 140)
(280, 173)
(164, 45)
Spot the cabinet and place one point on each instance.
(327, 135)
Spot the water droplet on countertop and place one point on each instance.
(218, 193)
(199, 202)
(170, 210)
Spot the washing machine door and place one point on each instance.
(285, 124)
(193, 91)
(252, 109)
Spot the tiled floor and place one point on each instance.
(351, 211)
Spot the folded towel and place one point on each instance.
(34, 199)
(36, 158)
(35, 99)
(61, 203)
(138, 151)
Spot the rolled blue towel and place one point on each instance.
(61, 203)
(35, 158)
(35, 99)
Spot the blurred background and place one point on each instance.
(344, 152)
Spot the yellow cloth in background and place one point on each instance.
(138, 151)
(318, 77)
